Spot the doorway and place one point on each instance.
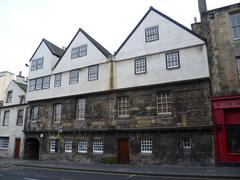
(17, 148)
(123, 151)
(31, 149)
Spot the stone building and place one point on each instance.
(146, 104)
(221, 28)
(12, 118)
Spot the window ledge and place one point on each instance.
(167, 113)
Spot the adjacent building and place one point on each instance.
(12, 118)
(221, 28)
(5, 78)
(146, 104)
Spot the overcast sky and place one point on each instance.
(23, 23)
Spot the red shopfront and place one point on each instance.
(226, 114)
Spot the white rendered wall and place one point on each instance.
(48, 62)
(12, 131)
(5, 79)
(82, 87)
(193, 65)
(94, 56)
(171, 37)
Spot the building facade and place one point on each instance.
(221, 28)
(146, 104)
(12, 118)
(5, 78)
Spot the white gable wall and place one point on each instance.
(48, 61)
(94, 56)
(16, 92)
(171, 36)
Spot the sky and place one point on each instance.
(23, 23)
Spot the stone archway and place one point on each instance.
(31, 150)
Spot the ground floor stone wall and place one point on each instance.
(167, 147)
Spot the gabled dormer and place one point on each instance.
(83, 51)
(156, 32)
(44, 59)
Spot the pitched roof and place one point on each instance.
(22, 86)
(56, 51)
(104, 51)
(163, 15)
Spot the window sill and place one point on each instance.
(146, 153)
(162, 114)
(122, 117)
(3, 149)
(97, 153)
(82, 152)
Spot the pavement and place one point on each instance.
(149, 170)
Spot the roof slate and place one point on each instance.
(54, 49)
(22, 86)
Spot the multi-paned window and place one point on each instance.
(39, 83)
(172, 60)
(36, 64)
(93, 72)
(151, 34)
(53, 145)
(6, 118)
(20, 117)
(235, 20)
(4, 141)
(22, 99)
(9, 96)
(140, 66)
(123, 106)
(81, 108)
(82, 146)
(163, 100)
(73, 79)
(68, 145)
(34, 113)
(186, 143)
(57, 82)
(98, 145)
(79, 51)
(57, 111)
(146, 145)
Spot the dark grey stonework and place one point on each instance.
(190, 117)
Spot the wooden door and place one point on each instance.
(123, 151)
(17, 148)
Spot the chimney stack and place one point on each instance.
(202, 6)
(20, 78)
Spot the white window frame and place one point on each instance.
(172, 60)
(186, 143)
(57, 112)
(32, 85)
(98, 145)
(238, 66)
(9, 96)
(58, 79)
(140, 65)
(146, 145)
(164, 102)
(53, 144)
(20, 117)
(46, 82)
(37, 64)
(81, 109)
(74, 76)
(39, 83)
(4, 143)
(82, 145)
(123, 106)
(93, 72)
(79, 51)
(68, 145)
(34, 113)
(6, 117)
(152, 34)
(235, 25)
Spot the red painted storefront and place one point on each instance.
(226, 119)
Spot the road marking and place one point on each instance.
(129, 177)
(30, 179)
